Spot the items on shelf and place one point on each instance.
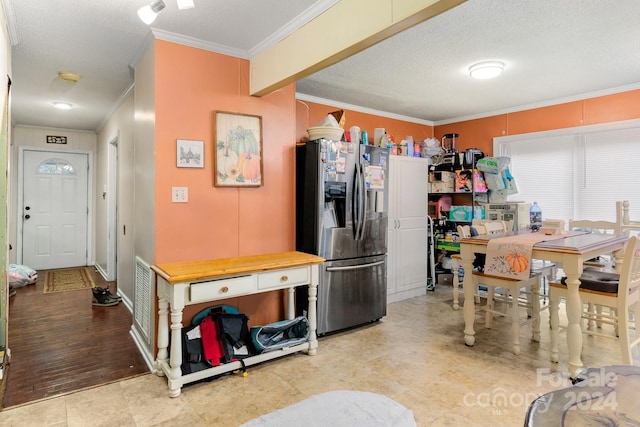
(470, 180)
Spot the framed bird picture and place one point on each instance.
(238, 150)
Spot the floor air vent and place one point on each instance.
(142, 306)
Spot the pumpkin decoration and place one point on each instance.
(249, 166)
(242, 140)
(517, 261)
(225, 159)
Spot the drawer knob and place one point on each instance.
(284, 278)
(224, 289)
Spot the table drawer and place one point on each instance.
(280, 278)
(223, 288)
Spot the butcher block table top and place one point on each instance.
(180, 272)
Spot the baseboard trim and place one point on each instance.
(148, 357)
(399, 296)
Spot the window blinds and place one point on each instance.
(577, 173)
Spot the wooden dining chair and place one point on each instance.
(507, 291)
(621, 292)
(464, 231)
(604, 262)
(598, 227)
(626, 224)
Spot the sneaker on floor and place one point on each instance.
(102, 298)
(99, 290)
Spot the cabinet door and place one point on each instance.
(411, 266)
(407, 231)
(409, 181)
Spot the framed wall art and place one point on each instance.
(190, 153)
(238, 153)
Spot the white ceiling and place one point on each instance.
(553, 51)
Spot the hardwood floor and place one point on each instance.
(60, 343)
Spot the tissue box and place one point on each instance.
(466, 213)
(460, 213)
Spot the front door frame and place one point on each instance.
(20, 204)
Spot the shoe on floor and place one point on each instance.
(102, 298)
(98, 290)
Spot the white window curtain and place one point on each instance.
(577, 173)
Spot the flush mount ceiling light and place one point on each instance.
(486, 70)
(185, 4)
(150, 12)
(62, 105)
(70, 77)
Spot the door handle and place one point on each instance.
(355, 267)
(27, 216)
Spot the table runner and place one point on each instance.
(511, 256)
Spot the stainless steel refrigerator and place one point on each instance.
(341, 215)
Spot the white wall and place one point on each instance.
(36, 137)
(144, 152)
(144, 187)
(121, 125)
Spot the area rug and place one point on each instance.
(67, 279)
(341, 408)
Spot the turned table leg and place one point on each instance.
(163, 335)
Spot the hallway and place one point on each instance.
(60, 343)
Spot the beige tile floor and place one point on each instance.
(415, 355)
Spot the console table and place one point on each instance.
(184, 283)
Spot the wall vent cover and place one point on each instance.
(142, 306)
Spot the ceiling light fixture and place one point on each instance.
(150, 12)
(63, 105)
(486, 70)
(185, 4)
(70, 77)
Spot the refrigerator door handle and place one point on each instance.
(356, 203)
(355, 267)
(363, 199)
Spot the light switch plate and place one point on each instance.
(179, 194)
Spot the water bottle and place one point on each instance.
(535, 217)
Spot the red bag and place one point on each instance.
(211, 342)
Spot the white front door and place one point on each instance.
(54, 209)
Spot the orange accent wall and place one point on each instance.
(612, 108)
(479, 133)
(219, 222)
(311, 113)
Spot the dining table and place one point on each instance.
(569, 252)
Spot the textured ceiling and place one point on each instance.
(553, 50)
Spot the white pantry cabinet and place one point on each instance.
(407, 271)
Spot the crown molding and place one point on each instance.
(309, 98)
(292, 26)
(12, 26)
(565, 100)
(200, 44)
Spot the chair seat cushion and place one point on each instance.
(599, 281)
